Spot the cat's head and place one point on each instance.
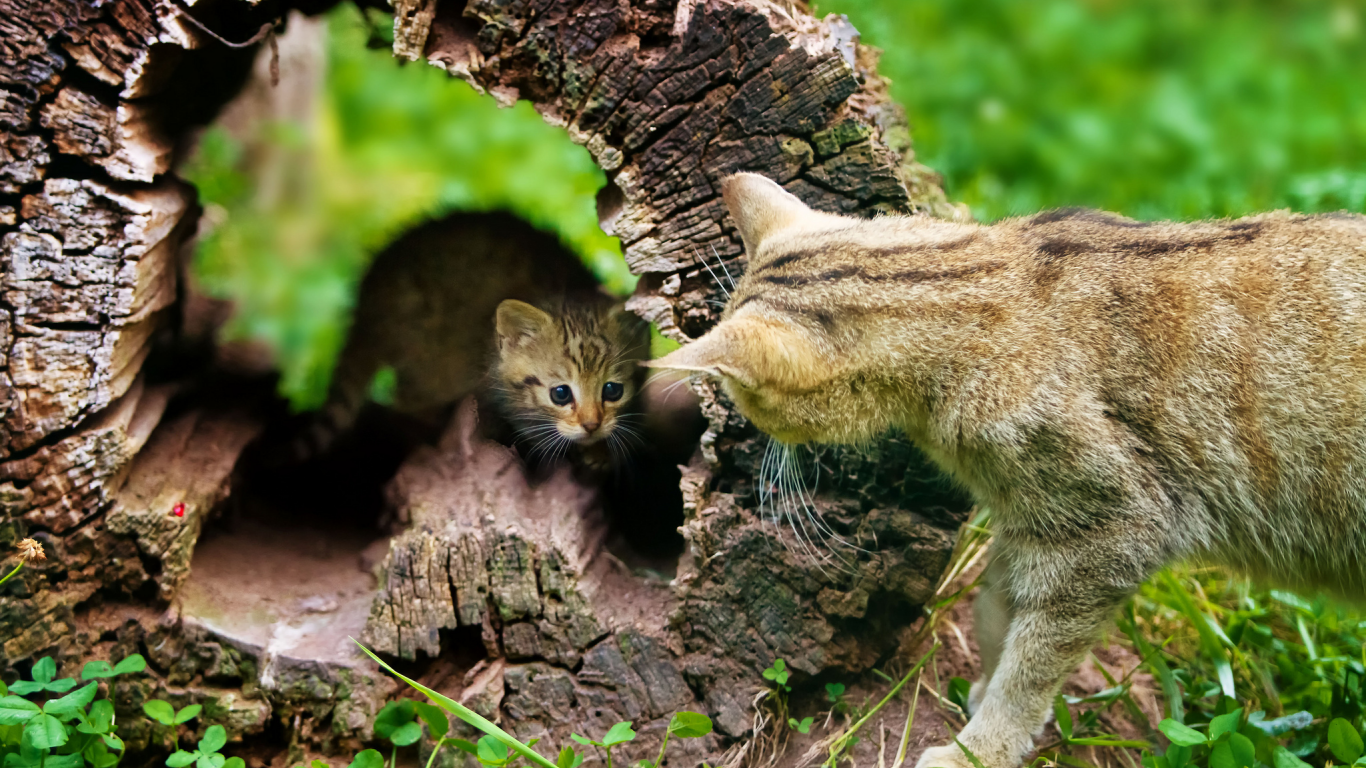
(787, 358)
(571, 375)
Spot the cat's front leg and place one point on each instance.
(1060, 597)
(991, 620)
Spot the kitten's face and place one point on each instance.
(568, 377)
(789, 369)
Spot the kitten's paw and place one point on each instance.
(950, 756)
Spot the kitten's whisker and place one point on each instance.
(814, 515)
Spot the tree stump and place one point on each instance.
(669, 97)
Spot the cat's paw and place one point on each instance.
(975, 695)
(950, 756)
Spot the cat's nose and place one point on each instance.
(590, 426)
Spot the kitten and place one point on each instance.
(1119, 394)
(570, 378)
(426, 310)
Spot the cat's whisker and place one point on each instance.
(806, 509)
(814, 515)
(724, 268)
(714, 276)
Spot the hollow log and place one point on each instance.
(668, 97)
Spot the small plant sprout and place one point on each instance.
(801, 726)
(778, 674)
(162, 712)
(208, 754)
(617, 734)
(68, 728)
(684, 725)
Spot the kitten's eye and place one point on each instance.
(611, 391)
(561, 395)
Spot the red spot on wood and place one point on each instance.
(179, 509)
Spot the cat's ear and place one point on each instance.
(759, 353)
(518, 321)
(760, 207)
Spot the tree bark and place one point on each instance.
(669, 98)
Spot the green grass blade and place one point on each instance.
(464, 713)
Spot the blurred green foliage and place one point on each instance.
(1175, 109)
(390, 146)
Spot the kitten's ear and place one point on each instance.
(757, 352)
(760, 207)
(518, 321)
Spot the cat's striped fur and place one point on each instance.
(1120, 394)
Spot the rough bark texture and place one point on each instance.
(669, 97)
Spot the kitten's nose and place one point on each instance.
(590, 426)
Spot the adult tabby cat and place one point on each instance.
(1119, 394)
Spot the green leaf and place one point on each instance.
(1221, 756)
(491, 751)
(66, 706)
(25, 687)
(45, 732)
(463, 712)
(393, 716)
(61, 686)
(585, 741)
(1344, 741)
(833, 691)
(689, 725)
(215, 736)
(318, 764)
(438, 725)
(1284, 758)
(802, 726)
(1244, 753)
(406, 734)
(188, 713)
(618, 734)
(570, 759)
(160, 711)
(102, 716)
(64, 761)
(368, 758)
(1178, 756)
(209, 760)
(237, 762)
(14, 710)
(1225, 724)
(1063, 717)
(1182, 735)
(130, 665)
(958, 692)
(95, 669)
(465, 746)
(44, 670)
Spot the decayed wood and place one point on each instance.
(578, 643)
(668, 97)
(188, 460)
(85, 278)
